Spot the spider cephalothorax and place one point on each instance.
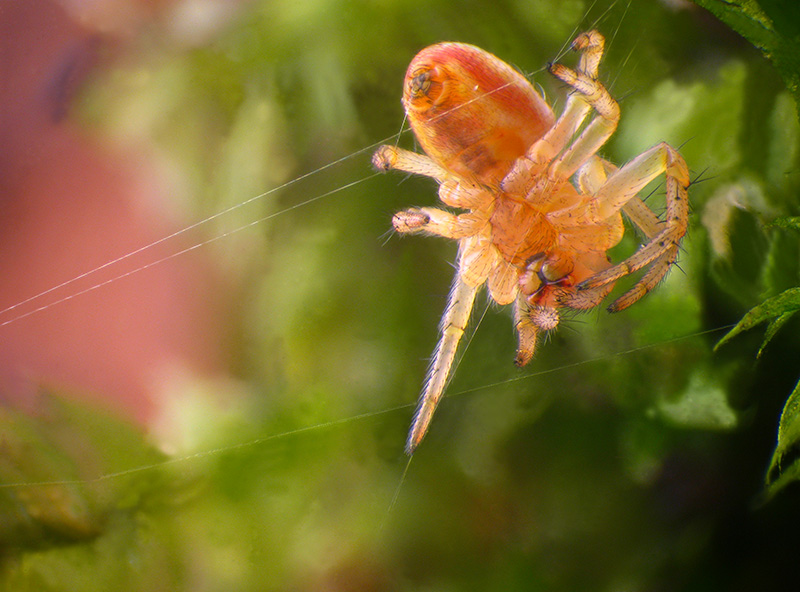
(542, 209)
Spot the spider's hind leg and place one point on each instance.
(454, 322)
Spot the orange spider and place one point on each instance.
(531, 235)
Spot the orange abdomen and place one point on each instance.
(472, 113)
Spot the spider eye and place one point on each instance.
(420, 84)
(425, 85)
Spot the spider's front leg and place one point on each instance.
(599, 130)
(591, 45)
(661, 251)
(476, 260)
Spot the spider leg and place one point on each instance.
(583, 299)
(389, 157)
(642, 216)
(649, 280)
(662, 249)
(592, 176)
(438, 222)
(454, 321)
(591, 46)
(527, 332)
(503, 282)
(599, 129)
(453, 191)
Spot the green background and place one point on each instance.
(629, 455)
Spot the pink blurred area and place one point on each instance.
(71, 202)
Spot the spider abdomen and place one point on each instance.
(472, 113)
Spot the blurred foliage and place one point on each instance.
(629, 454)
(785, 464)
(773, 26)
(777, 311)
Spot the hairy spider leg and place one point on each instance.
(476, 260)
(592, 176)
(621, 188)
(599, 129)
(454, 322)
(662, 249)
(577, 108)
(588, 94)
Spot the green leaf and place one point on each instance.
(784, 303)
(785, 464)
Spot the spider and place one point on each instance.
(533, 236)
